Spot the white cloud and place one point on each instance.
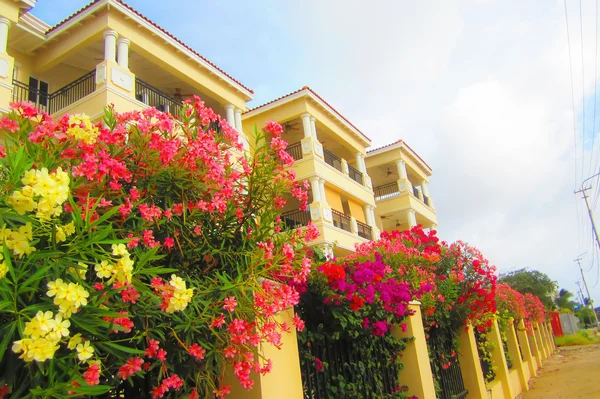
(481, 90)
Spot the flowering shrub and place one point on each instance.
(138, 257)
(535, 308)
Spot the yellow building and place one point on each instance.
(400, 184)
(106, 53)
(329, 151)
(109, 53)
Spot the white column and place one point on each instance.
(323, 195)
(123, 52)
(368, 215)
(238, 120)
(110, 44)
(412, 218)
(4, 25)
(363, 164)
(229, 114)
(358, 162)
(401, 169)
(316, 189)
(306, 125)
(372, 210)
(424, 188)
(313, 127)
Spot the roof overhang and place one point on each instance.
(92, 8)
(402, 146)
(311, 95)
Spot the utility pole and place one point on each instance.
(591, 214)
(591, 302)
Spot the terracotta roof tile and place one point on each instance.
(405, 145)
(320, 98)
(93, 3)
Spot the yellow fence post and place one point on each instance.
(551, 337)
(416, 373)
(540, 340)
(515, 356)
(285, 379)
(526, 348)
(544, 334)
(470, 365)
(499, 360)
(536, 349)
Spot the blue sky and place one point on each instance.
(480, 89)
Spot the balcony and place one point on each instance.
(295, 150)
(341, 221)
(391, 200)
(153, 97)
(364, 230)
(85, 86)
(295, 219)
(61, 98)
(355, 174)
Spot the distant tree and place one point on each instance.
(532, 282)
(564, 300)
(586, 317)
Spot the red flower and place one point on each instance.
(333, 272)
(196, 351)
(318, 364)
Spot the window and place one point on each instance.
(38, 91)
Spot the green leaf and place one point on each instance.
(93, 390)
(122, 348)
(7, 338)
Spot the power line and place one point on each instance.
(572, 90)
(595, 89)
(582, 92)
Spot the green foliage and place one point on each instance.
(583, 337)
(564, 300)
(532, 282)
(586, 317)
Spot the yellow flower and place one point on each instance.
(18, 240)
(104, 269)
(21, 203)
(69, 297)
(77, 295)
(69, 228)
(177, 282)
(74, 341)
(57, 288)
(124, 269)
(81, 128)
(30, 178)
(61, 327)
(3, 270)
(84, 351)
(119, 250)
(42, 349)
(80, 270)
(60, 235)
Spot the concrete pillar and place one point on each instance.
(416, 374)
(515, 356)
(499, 360)
(412, 218)
(424, 188)
(313, 127)
(323, 195)
(110, 44)
(316, 188)
(123, 52)
(229, 114)
(526, 348)
(470, 365)
(401, 165)
(238, 120)
(536, 349)
(540, 340)
(4, 25)
(368, 216)
(285, 379)
(360, 163)
(551, 337)
(306, 125)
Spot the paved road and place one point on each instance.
(574, 372)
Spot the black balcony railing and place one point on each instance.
(364, 230)
(73, 92)
(386, 191)
(415, 192)
(295, 150)
(445, 369)
(153, 97)
(340, 220)
(332, 159)
(355, 174)
(426, 199)
(61, 98)
(295, 219)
